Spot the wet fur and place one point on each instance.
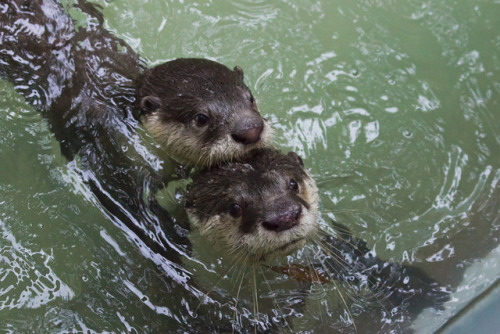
(88, 83)
(260, 184)
(171, 95)
(186, 147)
(359, 276)
(69, 82)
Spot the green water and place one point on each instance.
(394, 106)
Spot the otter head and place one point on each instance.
(201, 111)
(262, 207)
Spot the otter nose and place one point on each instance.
(248, 131)
(283, 221)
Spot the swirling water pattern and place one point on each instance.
(393, 105)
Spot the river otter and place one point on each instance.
(263, 206)
(93, 90)
(200, 111)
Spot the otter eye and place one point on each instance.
(235, 210)
(293, 185)
(201, 120)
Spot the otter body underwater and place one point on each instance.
(94, 93)
(264, 207)
(93, 89)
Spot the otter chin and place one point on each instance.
(201, 112)
(258, 208)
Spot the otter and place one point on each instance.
(261, 207)
(265, 206)
(95, 92)
(201, 112)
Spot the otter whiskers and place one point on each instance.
(321, 257)
(344, 267)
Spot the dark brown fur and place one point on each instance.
(84, 80)
(258, 206)
(201, 111)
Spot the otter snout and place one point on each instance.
(283, 220)
(247, 129)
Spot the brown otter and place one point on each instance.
(263, 206)
(200, 111)
(92, 88)
(266, 206)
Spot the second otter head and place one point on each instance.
(264, 206)
(201, 111)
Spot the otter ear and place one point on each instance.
(296, 157)
(150, 103)
(239, 72)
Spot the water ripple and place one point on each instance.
(26, 276)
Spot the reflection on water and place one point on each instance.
(28, 281)
(392, 105)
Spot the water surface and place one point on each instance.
(392, 105)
